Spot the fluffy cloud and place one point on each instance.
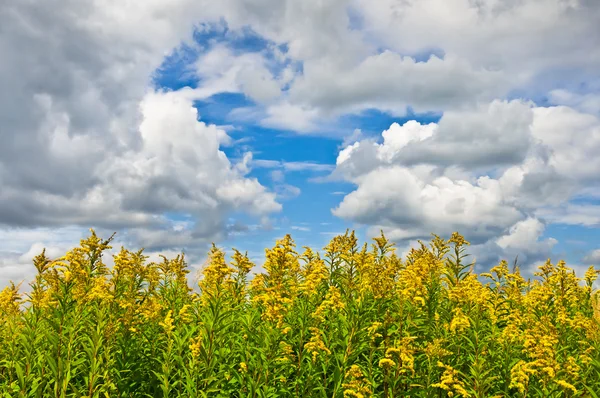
(391, 82)
(176, 166)
(522, 242)
(409, 203)
(492, 173)
(523, 38)
(431, 55)
(592, 258)
(491, 135)
(87, 142)
(222, 70)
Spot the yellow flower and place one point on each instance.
(450, 383)
(316, 344)
(458, 239)
(184, 314)
(167, 323)
(590, 276)
(403, 355)
(9, 300)
(355, 384)
(243, 367)
(241, 262)
(435, 350)
(519, 375)
(372, 330)
(216, 273)
(333, 302)
(386, 363)
(566, 385)
(460, 321)
(195, 346)
(313, 273)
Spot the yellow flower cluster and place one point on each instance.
(403, 356)
(167, 323)
(355, 384)
(333, 302)
(9, 301)
(459, 322)
(450, 382)
(520, 374)
(315, 346)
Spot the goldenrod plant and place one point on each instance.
(350, 321)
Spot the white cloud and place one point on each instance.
(522, 38)
(524, 236)
(588, 102)
(84, 141)
(574, 140)
(408, 205)
(592, 258)
(391, 82)
(431, 55)
(489, 173)
(221, 70)
(288, 116)
(522, 242)
(487, 136)
(300, 228)
(184, 170)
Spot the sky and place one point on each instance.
(179, 123)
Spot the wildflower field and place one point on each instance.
(352, 321)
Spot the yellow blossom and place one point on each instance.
(567, 386)
(316, 344)
(243, 367)
(459, 322)
(195, 347)
(355, 384)
(450, 382)
(167, 323)
(386, 363)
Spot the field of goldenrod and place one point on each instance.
(357, 321)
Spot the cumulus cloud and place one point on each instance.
(586, 102)
(490, 135)
(222, 70)
(592, 258)
(399, 54)
(523, 38)
(391, 82)
(515, 167)
(408, 203)
(87, 142)
(522, 242)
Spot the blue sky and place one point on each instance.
(308, 216)
(237, 123)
